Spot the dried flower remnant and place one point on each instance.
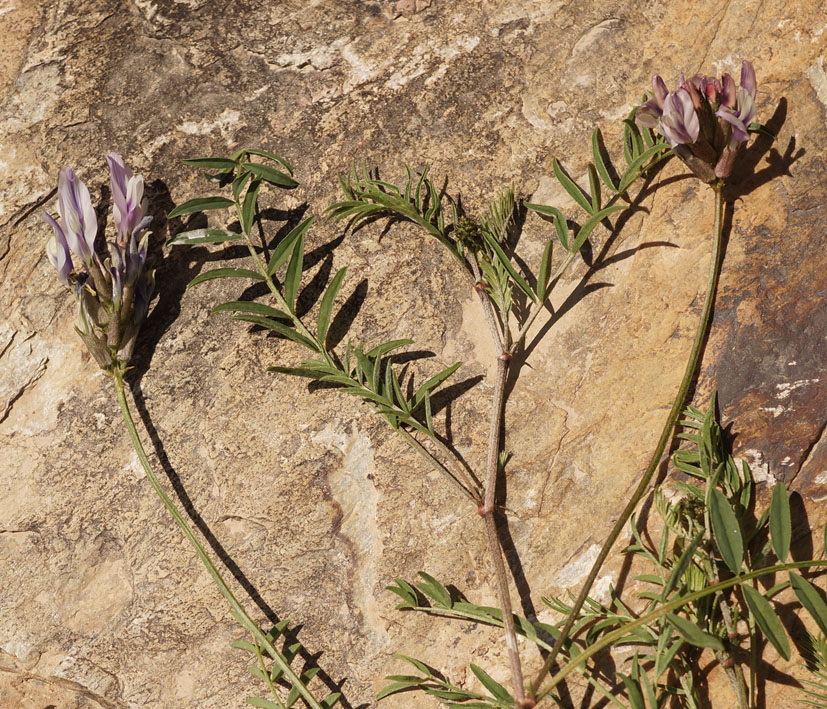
(113, 295)
(705, 120)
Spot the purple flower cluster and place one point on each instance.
(113, 295)
(705, 120)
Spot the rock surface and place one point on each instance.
(315, 502)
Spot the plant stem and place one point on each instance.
(236, 608)
(665, 437)
(495, 550)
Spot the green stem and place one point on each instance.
(236, 608)
(623, 632)
(665, 437)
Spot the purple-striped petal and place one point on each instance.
(748, 80)
(77, 214)
(58, 251)
(728, 93)
(739, 129)
(680, 123)
(660, 91)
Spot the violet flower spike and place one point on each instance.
(742, 113)
(77, 214)
(58, 251)
(127, 194)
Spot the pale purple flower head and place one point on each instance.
(128, 197)
(79, 223)
(705, 120)
(114, 294)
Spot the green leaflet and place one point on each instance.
(636, 165)
(292, 277)
(248, 209)
(212, 163)
(594, 187)
(726, 530)
(245, 306)
(271, 156)
(545, 268)
(434, 590)
(592, 222)
(385, 347)
(780, 524)
(571, 187)
(270, 174)
(496, 689)
(633, 690)
(506, 264)
(434, 382)
(767, 620)
(811, 599)
(200, 204)
(240, 182)
(680, 568)
(693, 634)
(203, 236)
(282, 251)
(560, 223)
(599, 163)
(326, 307)
(280, 329)
(225, 273)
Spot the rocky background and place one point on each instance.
(314, 503)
